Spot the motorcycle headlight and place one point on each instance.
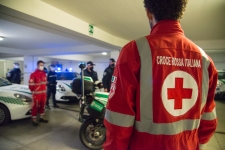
(61, 88)
(23, 98)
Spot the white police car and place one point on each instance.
(63, 88)
(220, 88)
(15, 101)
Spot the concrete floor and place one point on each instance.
(61, 133)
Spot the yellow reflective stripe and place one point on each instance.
(209, 115)
(167, 128)
(119, 119)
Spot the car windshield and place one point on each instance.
(4, 82)
(66, 75)
(221, 75)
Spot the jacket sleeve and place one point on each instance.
(208, 121)
(31, 82)
(120, 110)
(105, 79)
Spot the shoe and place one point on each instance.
(47, 107)
(56, 106)
(43, 120)
(35, 123)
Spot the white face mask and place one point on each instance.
(15, 66)
(41, 67)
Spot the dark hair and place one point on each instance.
(16, 63)
(166, 9)
(40, 61)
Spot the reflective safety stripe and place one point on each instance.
(167, 128)
(37, 84)
(39, 92)
(209, 115)
(52, 76)
(205, 77)
(202, 146)
(119, 119)
(145, 79)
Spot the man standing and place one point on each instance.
(162, 92)
(51, 83)
(89, 71)
(107, 76)
(37, 85)
(14, 75)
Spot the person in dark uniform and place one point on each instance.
(51, 84)
(14, 75)
(89, 71)
(107, 76)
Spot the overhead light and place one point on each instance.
(104, 53)
(1, 38)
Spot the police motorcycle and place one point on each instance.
(92, 110)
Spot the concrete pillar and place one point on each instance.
(115, 54)
(30, 64)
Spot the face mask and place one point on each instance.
(41, 67)
(52, 69)
(112, 65)
(15, 66)
(92, 68)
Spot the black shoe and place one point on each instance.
(43, 120)
(35, 123)
(47, 107)
(56, 106)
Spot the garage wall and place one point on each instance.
(218, 59)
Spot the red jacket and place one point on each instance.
(37, 82)
(162, 94)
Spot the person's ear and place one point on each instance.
(149, 15)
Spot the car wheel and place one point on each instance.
(4, 115)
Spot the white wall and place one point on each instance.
(218, 59)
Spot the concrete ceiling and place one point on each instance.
(203, 19)
(27, 38)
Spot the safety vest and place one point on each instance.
(173, 108)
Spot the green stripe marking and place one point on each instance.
(101, 95)
(11, 100)
(23, 92)
(67, 85)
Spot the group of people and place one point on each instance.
(41, 84)
(107, 75)
(153, 105)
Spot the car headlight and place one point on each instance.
(23, 98)
(61, 88)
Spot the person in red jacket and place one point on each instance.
(37, 85)
(162, 91)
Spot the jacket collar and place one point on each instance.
(167, 26)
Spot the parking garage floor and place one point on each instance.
(61, 133)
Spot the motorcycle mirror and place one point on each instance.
(82, 65)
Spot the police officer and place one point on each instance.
(51, 84)
(14, 75)
(107, 76)
(89, 71)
